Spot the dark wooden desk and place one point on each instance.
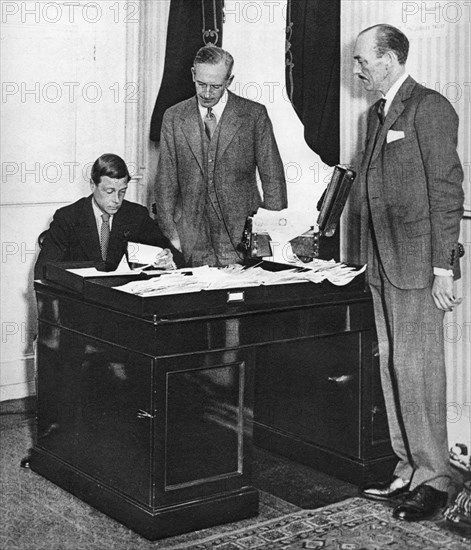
(146, 405)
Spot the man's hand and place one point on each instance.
(442, 293)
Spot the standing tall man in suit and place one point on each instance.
(211, 146)
(412, 178)
(98, 228)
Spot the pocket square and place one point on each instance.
(394, 135)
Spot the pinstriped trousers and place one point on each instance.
(413, 378)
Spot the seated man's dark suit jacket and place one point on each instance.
(73, 235)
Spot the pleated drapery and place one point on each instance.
(313, 72)
(191, 25)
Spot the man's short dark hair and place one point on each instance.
(213, 55)
(389, 38)
(109, 165)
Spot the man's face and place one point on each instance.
(370, 69)
(109, 193)
(210, 82)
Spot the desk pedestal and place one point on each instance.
(149, 417)
(158, 439)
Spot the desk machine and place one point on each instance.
(320, 241)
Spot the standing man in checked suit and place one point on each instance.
(412, 180)
(211, 147)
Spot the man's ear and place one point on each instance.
(391, 58)
(92, 185)
(229, 81)
(193, 73)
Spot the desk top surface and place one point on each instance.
(102, 290)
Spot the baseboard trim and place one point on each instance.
(13, 392)
(24, 405)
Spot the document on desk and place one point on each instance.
(145, 255)
(122, 269)
(237, 276)
(281, 225)
(142, 255)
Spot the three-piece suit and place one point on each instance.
(195, 175)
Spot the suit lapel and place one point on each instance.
(122, 230)
(394, 112)
(190, 125)
(87, 232)
(231, 121)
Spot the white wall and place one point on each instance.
(439, 57)
(254, 33)
(63, 104)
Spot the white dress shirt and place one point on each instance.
(391, 93)
(217, 110)
(97, 211)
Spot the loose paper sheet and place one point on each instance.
(236, 276)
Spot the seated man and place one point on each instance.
(98, 228)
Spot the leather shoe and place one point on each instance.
(424, 502)
(395, 487)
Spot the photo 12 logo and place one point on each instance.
(253, 11)
(436, 12)
(69, 12)
(69, 92)
(51, 172)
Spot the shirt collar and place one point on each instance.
(97, 211)
(218, 109)
(391, 94)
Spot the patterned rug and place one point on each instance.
(354, 524)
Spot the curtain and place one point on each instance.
(191, 25)
(313, 72)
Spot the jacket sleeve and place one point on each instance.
(166, 189)
(55, 247)
(437, 129)
(149, 233)
(269, 164)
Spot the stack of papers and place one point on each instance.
(237, 276)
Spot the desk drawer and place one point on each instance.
(212, 332)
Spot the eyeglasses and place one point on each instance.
(211, 87)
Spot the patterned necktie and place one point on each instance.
(104, 234)
(210, 123)
(380, 111)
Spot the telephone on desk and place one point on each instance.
(307, 246)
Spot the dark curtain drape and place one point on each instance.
(313, 72)
(191, 25)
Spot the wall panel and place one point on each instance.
(63, 79)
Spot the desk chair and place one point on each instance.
(41, 237)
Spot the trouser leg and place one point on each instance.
(410, 329)
(404, 468)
